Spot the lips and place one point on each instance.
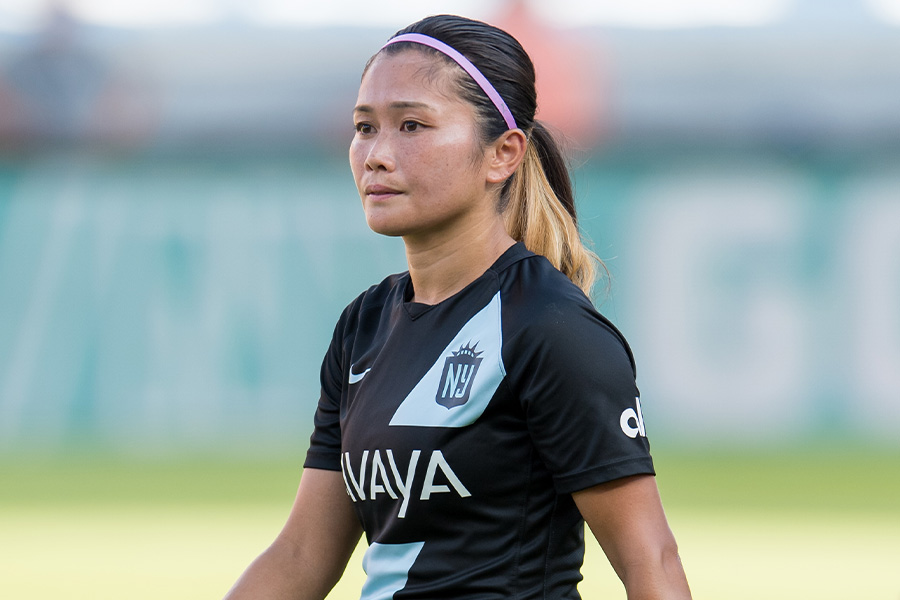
(379, 192)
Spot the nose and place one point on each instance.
(380, 156)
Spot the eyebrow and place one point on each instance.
(399, 104)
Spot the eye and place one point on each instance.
(410, 126)
(364, 128)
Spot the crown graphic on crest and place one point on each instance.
(468, 350)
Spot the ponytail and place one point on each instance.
(540, 211)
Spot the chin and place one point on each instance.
(385, 226)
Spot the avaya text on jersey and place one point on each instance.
(380, 483)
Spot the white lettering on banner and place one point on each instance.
(403, 484)
(873, 271)
(727, 344)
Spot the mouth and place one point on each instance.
(380, 192)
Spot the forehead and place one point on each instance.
(409, 72)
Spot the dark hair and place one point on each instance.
(537, 200)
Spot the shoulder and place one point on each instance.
(543, 310)
(373, 301)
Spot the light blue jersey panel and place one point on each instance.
(457, 388)
(387, 568)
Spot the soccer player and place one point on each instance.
(476, 410)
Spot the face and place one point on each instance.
(416, 158)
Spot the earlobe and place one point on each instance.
(508, 152)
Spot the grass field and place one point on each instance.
(816, 523)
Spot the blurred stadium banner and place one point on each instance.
(179, 230)
(157, 302)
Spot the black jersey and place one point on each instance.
(462, 428)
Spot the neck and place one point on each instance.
(439, 268)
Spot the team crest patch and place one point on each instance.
(464, 376)
(457, 377)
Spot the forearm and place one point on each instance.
(283, 572)
(662, 578)
(309, 555)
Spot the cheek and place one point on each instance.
(448, 162)
(469, 155)
(357, 161)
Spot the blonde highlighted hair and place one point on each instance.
(536, 214)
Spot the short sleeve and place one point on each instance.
(575, 378)
(325, 442)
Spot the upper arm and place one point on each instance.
(322, 529)
(573, 375)
(627, 518)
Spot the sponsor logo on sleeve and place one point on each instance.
(632, 421)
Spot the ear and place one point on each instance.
(505, 155)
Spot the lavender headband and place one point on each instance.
(481, 80)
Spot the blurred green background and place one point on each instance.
(793, 522)
(179, 232)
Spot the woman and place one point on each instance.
(476, 410)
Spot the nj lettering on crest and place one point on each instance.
(456, 379)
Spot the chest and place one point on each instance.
(427, 421)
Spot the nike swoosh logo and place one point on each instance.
(356, 377)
